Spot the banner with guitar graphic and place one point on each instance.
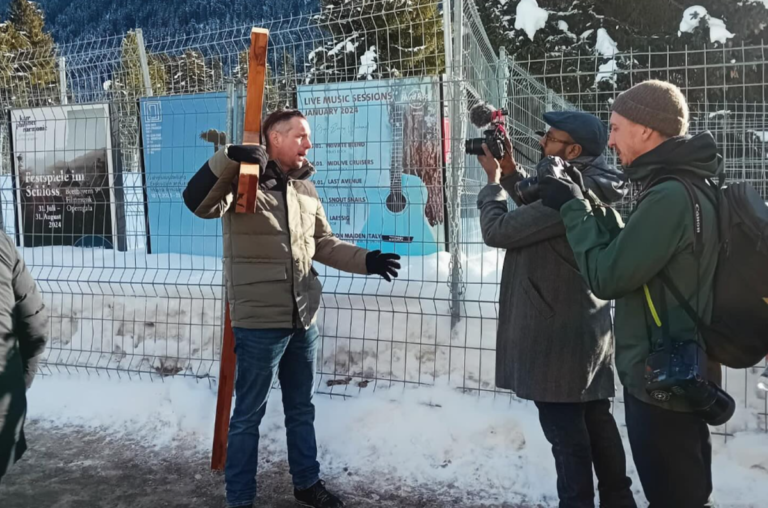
(180, 133)
(378, 155)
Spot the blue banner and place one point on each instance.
(378, 155)
(180, 134)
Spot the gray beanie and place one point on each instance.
(656, 104)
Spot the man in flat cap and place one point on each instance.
(554, 344)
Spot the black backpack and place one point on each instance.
(737, 336)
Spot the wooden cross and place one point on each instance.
(246, 203)
(257, 73)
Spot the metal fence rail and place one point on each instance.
(135, 311)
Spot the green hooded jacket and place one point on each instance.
(618, 260)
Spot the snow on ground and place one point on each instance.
(692, 16)
(530, 17)
(489, 449)
(163, 313)
(155, 313)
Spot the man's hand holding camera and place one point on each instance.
(494, 168)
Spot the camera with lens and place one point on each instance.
(493, 137)
(679, 371)
(528, 188)
(482, 115)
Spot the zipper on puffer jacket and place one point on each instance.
(286, 182)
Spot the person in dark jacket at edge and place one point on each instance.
(23, 332)
(274, 294)
(554, 342)
(671, 445)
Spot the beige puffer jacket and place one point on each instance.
(268, 255)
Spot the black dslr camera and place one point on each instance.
(679, 370)
(481, 115)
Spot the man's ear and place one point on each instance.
(274, 138)
(574, 151)
(646, 133)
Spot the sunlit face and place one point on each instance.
(289, 143)
(558, 143)
(627, 139)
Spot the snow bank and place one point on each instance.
(164, 314)
(530, 17)
(177, 411)
(692, 16)
(487, 449)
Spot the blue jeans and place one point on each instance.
(263, 355)
(585, 436)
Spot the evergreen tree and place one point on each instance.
(565, 52)
(188, 73)
(31, 57)
(280, 82)
(130, 78)
(404, 39)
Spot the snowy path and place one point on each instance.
(98, 441)
(80, 468)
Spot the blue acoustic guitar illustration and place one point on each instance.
(396, 209)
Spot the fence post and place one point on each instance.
(143, 63)
(502, 75)
(458, 132)
(63, 80)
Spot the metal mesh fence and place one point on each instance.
(121, 124)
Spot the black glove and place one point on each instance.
(382, 264)
(555, 192)
(253, 154)
(575, 175)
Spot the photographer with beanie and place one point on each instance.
(670, 441)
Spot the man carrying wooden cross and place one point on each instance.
(274, 295)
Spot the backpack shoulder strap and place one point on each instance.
(687, 307)
(698, 230)
(698, 243)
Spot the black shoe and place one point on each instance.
(317, 497)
